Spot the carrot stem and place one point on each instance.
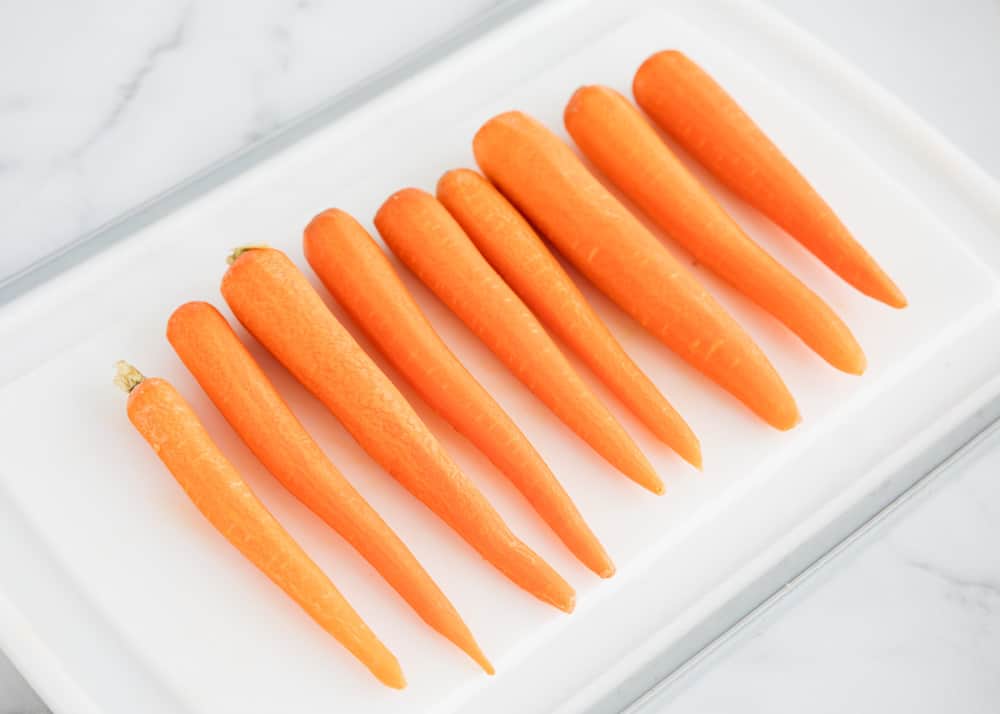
(127, 377)
(240, 250)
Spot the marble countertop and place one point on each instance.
(104, 105)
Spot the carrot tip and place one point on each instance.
(896, 300)
(857, 368)
(567, 605)
(656, 487)
(788, 426)
(391, 674)
(394, 681)
(608, 571)
(485, 664)
(786, 419)
(885, 291)
(693, 456)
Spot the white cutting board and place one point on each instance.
(203, 632)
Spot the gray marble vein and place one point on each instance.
(907, 622)
(133, 85)
(103, 106)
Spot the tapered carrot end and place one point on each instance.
(592, 554)
(637, 467)
(390, 673)
(467, 643)
(557, 592)
(891, 296)
(779, 410)
(481, 660)
(855, 363)
(871, 280)
(676, 434)
(567, 604)
(649, 479)
(787, 420)
(692, 454)
(840, 349)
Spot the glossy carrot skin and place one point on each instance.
(542, 177)
(174, 432)
(278, 306)
(513, 248)
(422, 233)
(237, 385)
(359, 275)
(618, 140)
(690, 106)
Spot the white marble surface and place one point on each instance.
(104, 104)
(107, 103)
(906, 621)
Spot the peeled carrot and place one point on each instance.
(359, 275)
(690, 106)
(513, 248)
(172, 428)
(279, 307)
(425, 237)
(238, 386)
(543, 177)
(619, 141)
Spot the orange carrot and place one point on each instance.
(513, 248)
(543, 177)
(616, 138)
(239, 388)
(360, 276)
(689, 105)
(172, 428)
(425, 237)
(279, 307)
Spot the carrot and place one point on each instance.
(171, 427)
(543, 177)
(616, 138)
(238, 386)
(279, 307)
(359, 275)
(514, 249)
(425, 237)
(689, 105)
